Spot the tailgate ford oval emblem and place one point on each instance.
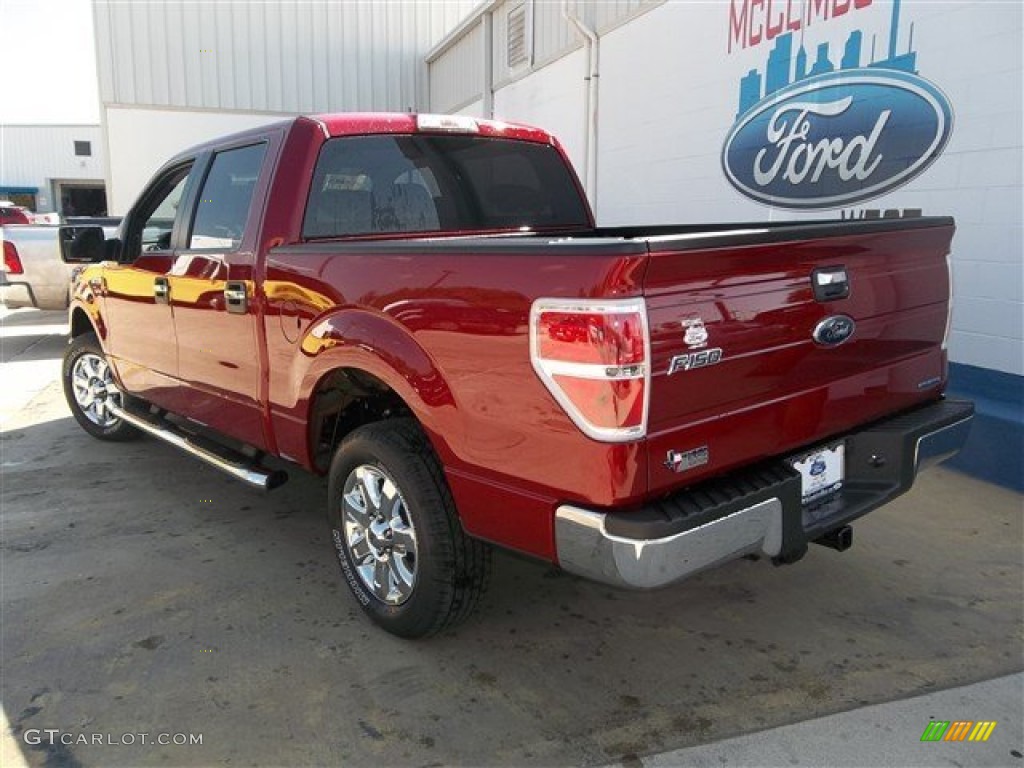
(834, 330)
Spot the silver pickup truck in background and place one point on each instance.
(33, 273)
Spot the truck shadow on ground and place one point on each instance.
(144, 591)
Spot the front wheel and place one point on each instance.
(399, 541)
(89, 388)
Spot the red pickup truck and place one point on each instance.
(422, 309)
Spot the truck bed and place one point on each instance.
(467, 300)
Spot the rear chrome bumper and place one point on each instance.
(587, 549)
(757, 511)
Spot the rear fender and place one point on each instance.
(376, 344)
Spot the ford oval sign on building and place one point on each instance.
(828, 124)
(837, 139)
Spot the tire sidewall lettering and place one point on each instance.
(346, 568)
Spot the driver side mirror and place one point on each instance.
(87, 245)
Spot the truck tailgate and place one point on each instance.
(737, 373)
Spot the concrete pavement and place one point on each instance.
(143, 592)
(31, 344)
(880, 735)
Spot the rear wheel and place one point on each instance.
(89, 389)
(400, 545)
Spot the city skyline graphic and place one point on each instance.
(783, 68)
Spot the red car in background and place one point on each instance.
(14, 214)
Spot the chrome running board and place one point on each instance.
(230, 462)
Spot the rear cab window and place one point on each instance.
(407, 184)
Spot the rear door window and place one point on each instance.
(223, 207)
(366, 185)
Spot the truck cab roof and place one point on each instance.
(369, 123)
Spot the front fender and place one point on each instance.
(85, 305)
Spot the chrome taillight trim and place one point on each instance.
(546, 369)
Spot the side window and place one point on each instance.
(156, 218)
(224, 200)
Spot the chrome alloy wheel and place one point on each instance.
(94, 388)
(379, 534)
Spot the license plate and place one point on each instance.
(821, 472)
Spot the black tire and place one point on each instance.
(83, 350)
(450, 569)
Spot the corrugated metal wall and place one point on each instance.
(552, 36)
(273, 56)
(454, 72)
(30, 155)
(456, 78)
(607, 14)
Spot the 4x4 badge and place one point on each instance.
(680, 461)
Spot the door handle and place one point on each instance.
(236, 297)
(161, 290)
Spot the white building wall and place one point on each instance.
(35, 155)
(669, 96)
(456, 64)
(457, 78)
(473, 109)
(674, 174)
(550, 35)
(552, 98)
(174, 73)
(275, 55)
(144, 139)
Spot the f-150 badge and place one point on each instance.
(692, 360)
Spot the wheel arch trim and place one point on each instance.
(376, 345)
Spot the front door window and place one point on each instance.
(155, 224)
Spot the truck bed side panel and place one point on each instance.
(509, 450)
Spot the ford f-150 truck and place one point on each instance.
(422, 309)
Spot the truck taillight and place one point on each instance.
(12, 262)
(949, 301)
(594, 358)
